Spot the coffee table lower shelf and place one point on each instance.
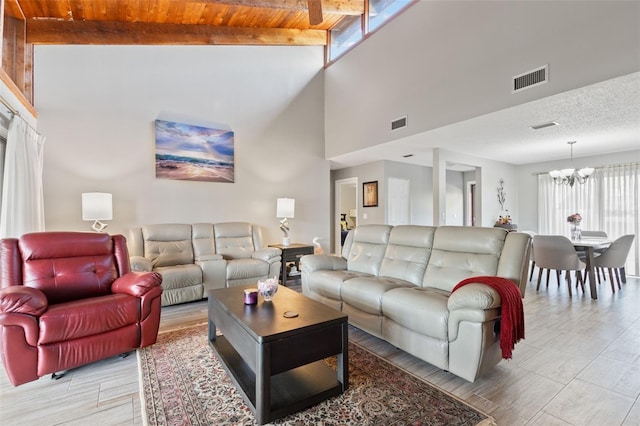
(291, 391)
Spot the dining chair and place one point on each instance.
(594, 234)
(557, 252)
(531, 256)
(614, 257)
(583, 254)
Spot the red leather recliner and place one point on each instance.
(68, 299)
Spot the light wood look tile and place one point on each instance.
(579, 365)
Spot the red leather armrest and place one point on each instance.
(138, 283)
(21, 306)
(22, 300)
(145, 285)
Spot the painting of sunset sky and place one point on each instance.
(186, 152)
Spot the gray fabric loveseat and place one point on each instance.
(195, 258)
(396, 283)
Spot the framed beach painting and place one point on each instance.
(370, 194)
(188, 152)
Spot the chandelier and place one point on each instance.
(571, 176)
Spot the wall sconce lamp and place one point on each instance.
(97, 206)
(284, 209)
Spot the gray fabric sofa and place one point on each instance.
(195, 258)
(396, 283)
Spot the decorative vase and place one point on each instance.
(268, 288)
(576, 232)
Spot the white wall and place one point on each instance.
(528, 181)
(455, 198)
(421, 66)
(365, 173)
(422, 187)
(97, 106)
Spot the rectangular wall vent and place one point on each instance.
(544, 125)
(530, 79)
(399, 123)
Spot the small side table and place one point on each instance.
(292, 254)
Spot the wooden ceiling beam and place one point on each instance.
(50, 31)
(338, 7)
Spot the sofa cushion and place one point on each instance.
(88, 317)
(367, 248)
(366, 293)
(423, 310)
(329, 283)
(463, 252)
(180, 276)
(246, 268)
(167, 244)
(407, 253)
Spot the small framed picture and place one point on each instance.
(370, 194)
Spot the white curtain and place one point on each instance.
(609, 201)
(22, 208)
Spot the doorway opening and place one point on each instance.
(345, 210)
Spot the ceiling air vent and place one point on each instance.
(399, 123)
(544, 125)
(530, 79)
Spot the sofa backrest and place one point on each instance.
(68, 266)
(461, 252)
(203, 239)
(365, 247)
(407, 253)
(237, 240)
(167, 244)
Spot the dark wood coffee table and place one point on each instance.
(274, 361)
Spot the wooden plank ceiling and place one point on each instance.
(255, 22)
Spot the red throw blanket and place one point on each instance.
(512, 311)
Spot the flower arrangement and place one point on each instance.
(268, 288)
(574, 219)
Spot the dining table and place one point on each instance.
(589, 245)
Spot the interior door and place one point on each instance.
(398, 205)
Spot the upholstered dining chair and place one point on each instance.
(614, 257)
(583, 254)
(531, 255)
(593, 234)
(557, 252)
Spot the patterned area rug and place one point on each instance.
(183, 383)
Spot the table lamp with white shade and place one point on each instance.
(285, 209)
(97, 206)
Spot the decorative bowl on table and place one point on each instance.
(268, 288)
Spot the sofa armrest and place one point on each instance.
(138, 284)
(22, 306)
(269, 255)
(23, 300)
(474, 296)
(316, 262)
(140, 264)
(473, 303)
(144, 285)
